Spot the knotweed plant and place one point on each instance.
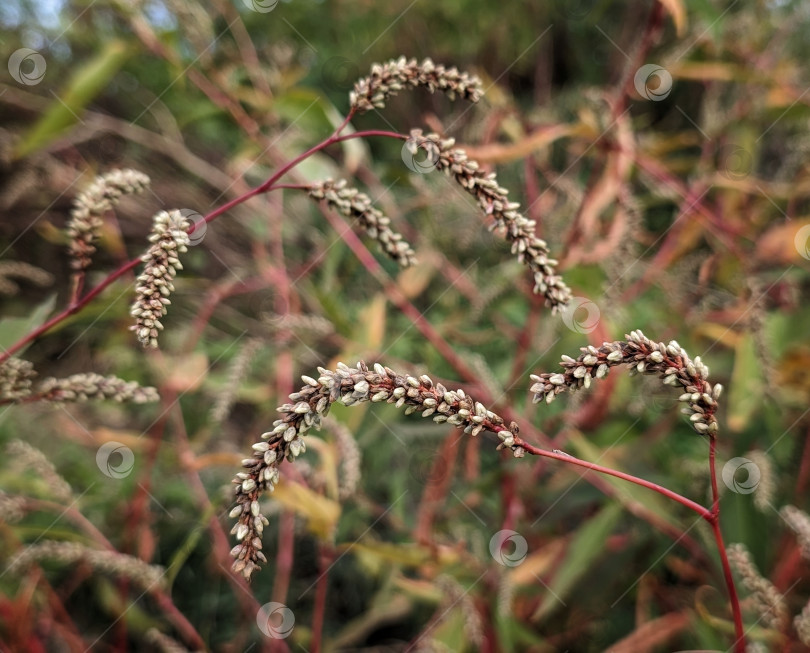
(66, 554)
(169, 239)
(86, 219)
(17, 385)
(352, 203)
(309, 405)
(508, 221)
(307, 408)
(354, 385)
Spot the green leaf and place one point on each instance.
(585, 547)
(355, 151)
(449, 634)
(626, 493)
(183, 552)
(12, 329)
(305, 109)
(746, 383)
(68, 105)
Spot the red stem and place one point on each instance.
(70, 310)
(739, 633)
(739, 643)
(173, 614)
(325, 557)
(268, 185)
(76, 306)
(457, 362)
(712, 516)
(565, 458)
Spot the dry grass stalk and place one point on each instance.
(769, 604)
(21, 270)
(43, 469)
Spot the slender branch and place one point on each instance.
(173, 614)
(457, 362)
(566, 458)
(739, 632)
(79, 304)
(325, 558)
(268, 185)
(70, 310)
(674, 367)
(713, 476)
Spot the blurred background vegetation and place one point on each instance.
(680, 215)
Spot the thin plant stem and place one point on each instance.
(70, 310)
(78, 304)
(173, 614)
(739, 632)
(566, 458)
(268, 185)
(325, 557)
(739, 643)
(219, 540)
(444, 348)
(712, 516)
